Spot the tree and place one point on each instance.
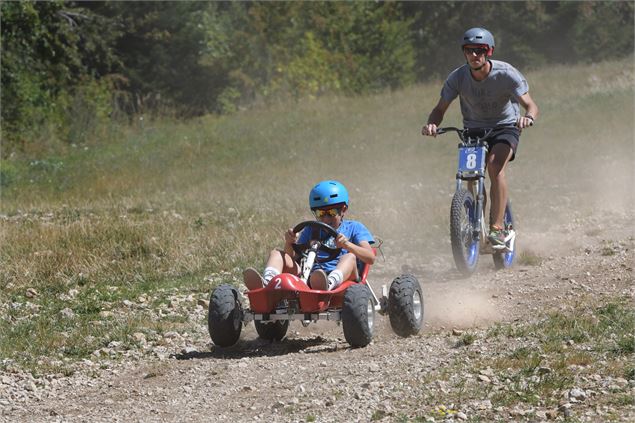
(48, 48)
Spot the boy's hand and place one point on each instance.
(289, 237)
(340, 241)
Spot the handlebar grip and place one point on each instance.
(446, 129)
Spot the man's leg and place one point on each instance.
(497, 161)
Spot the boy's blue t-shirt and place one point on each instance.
(355, 231)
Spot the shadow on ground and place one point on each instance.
(263, 348)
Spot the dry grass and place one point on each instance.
(165, 204)
(528, 257)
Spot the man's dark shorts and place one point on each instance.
(510, 136)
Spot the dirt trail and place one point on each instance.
(314, 376)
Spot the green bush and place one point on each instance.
(8, 173)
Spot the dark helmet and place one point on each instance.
(328, 193)
(479, 36)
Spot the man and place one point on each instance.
(490, 92)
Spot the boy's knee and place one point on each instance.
(348, 257)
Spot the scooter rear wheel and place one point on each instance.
(504, 260)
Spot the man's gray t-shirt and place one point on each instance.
(490, 102)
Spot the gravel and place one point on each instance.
(438, 375)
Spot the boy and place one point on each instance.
(328, 201)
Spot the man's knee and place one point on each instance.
(499, 155)
(496, 164)
(495, 169)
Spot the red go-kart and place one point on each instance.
(288, 297)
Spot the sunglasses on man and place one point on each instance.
(330, 212)
(477, 50)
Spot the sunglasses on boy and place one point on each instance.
(477, 50)
(328, 212)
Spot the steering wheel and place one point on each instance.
(317, 229)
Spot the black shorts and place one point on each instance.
(509, 136)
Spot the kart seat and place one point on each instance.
(363, 268)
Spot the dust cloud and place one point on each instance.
(571, 186)
(457, 308)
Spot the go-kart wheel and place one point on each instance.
(405, 305)
(272, 330)
(225, 316)
(323, 232)
(358, 315)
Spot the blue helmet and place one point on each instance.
(328, 193)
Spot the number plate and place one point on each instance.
(472, 159)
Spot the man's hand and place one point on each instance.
(524, 122)
(429, 130)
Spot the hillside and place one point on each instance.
(110, 252)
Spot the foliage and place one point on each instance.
(193, 58)
(604, 28)
(50, 50)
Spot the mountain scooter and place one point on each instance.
(468, 232)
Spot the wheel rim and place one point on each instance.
(471, 245)
(416, 305)
(508, 257)
(238, 318)
(370, 312)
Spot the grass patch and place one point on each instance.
(607, 328)
(580, 358)
(622, 400)
(465, 340)
(529, 258)
(378, 415)
(607, 251)
(551, 355)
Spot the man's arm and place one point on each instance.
(435, 118)
(531, 111)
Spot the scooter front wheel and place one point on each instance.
(465, 246)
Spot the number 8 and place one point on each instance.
(471, 161)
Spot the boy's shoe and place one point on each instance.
(319, 280)
(252, 279)
(497, 237)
